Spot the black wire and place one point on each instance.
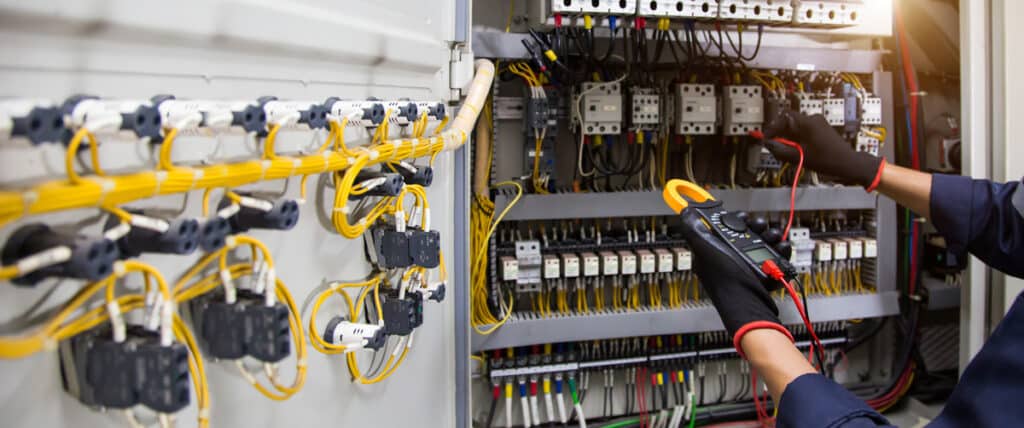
(820, 353)
(490, 413)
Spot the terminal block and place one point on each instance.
(402, 316)
(826, 13)
(402, 112)
(255, 213)
(377, 183)
(743, 109)
(398, 249)
(100, 372)
(365, 114)
(155, 235)
(807, 104)
(696, 109)
(37, 121)
(41, 252)
(705, 9)
(140, 118)
(601, 108)
(644, 109)
(246, 327)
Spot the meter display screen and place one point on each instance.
(759, 255)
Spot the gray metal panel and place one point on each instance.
(460, 240)
(519, 332)
(887, 231)
(494, 44)
(650, 203)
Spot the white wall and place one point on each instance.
(239, 49)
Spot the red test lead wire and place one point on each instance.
(796, 177)
(771, 269)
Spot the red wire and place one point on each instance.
(641, 397)
(796, 178)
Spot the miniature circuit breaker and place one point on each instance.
(696, 109)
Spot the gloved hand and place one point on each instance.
(743, 303)
(825, 151)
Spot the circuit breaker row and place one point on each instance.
(705, 109)
(527, 271)
(827, 13)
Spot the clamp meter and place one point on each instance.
(730, 227)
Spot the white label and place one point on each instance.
(856, 248)
(870, 248)
(609, 263)
(256, 204)
(117, 232)
(571, 265)
(648, 263)
(628, 262)
(228, 211)
(822, 251)
(43, 259)
(665, 262)
(684, 259)
(149, 223)
(591, 264)
(509, 268)
(552, 267)
(838, 249)
(805, 67)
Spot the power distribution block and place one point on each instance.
(834, 111)
(743, 109)
(696, 109)
(602, 108)
(645, 109)
(871, 111)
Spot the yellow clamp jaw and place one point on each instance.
(680, 194)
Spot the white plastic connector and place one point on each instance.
(154, 224)
(665, 260)
(230, 292)
(822, 251)
(591, 264)
(93, 115)
(684, 259)
(648, 262)
(870, 248)
(355, 335)
(609, 263)
(117, 323)
(509, 268)
(570, 265)
(47, 257)
(627, 262)
(552, 267)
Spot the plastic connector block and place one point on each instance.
(830, 13)
(281, 214)
(834, 110)
(425, 248)
(90, 258)
(645, 109)
(656, 8)
(851, 109)
(422, 176)
(339, 331)
(696, 109)
(360, 113)
(392, 248)
(602, 108)
(139, 118)
(402, 316)
(759, 158)
(536, 116)
(435, 110)
(213, 232)
(702, 9)
(36, 121)
(871, 111)
(778, 12)
(402, 112)
(269, 337)
(181, 236)
(139, 371)
(743, 110)
(248, 327)
(378, 184)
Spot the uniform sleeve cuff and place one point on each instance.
(737, 338)
(814, 400)
(878, 177)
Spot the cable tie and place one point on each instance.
(116, 321)
(204, 413)
(197, 174)
(296, 164)
(50, 344)
(327, 162)
(264, 166)
(344, 210)
(230, 242)
(257, 204)
(400, 221)
(48, 257)
(119, 269)
(301, 362)
(230, 292)
(28, 198)
(160, 177)
(106, 185)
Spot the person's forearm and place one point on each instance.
(910, 188)
(775, 358)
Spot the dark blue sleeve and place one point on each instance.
(814, 401)
(980, 216)
(988, 394)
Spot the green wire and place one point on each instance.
(572, 390)
(623, 423)
(693, 413)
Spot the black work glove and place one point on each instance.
(743, 303)
(825, 151)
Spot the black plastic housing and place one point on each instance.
(213, 232)
(283, 215)
(91, 258)
(402, 316)
(40, 125)
(181, 237)
(392, 185)
(424, 176)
